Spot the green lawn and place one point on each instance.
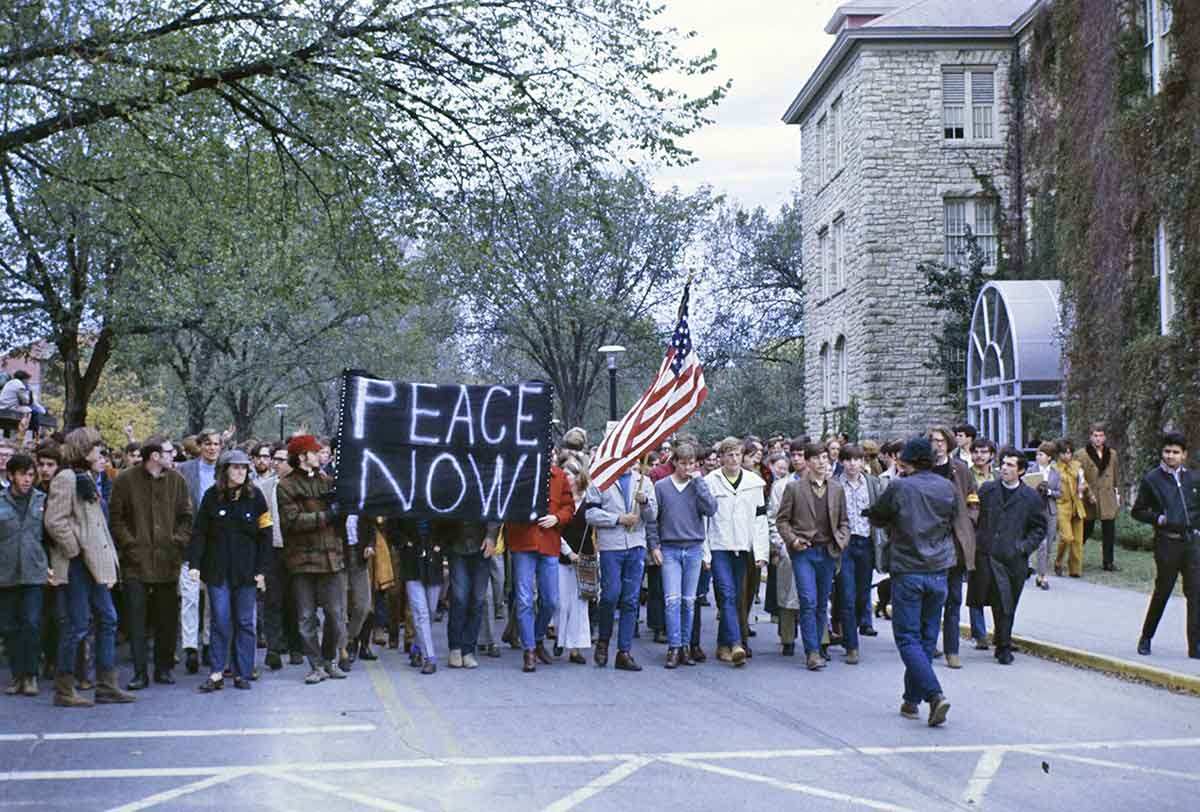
(1137, 567)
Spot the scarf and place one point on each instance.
(1101, 460)
(85, 487)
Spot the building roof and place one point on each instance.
(847, 10)
(920, 20)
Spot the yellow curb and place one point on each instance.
(1172, 680)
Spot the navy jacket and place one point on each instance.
(1158, 495)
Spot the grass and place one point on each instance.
(1137, 567)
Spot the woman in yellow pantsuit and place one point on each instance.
(1071, 511)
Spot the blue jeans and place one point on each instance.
(526, 567)
(917, 603)
(620, 585)
(422, 600)
(78, 601)
(728, 575)
(951, 615)
(680, 577)
(854, 583)
(21, 626)
(978, 624)
(813, 569)
(470, 575)
(232, 619)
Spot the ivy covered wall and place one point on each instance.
(1099, 161)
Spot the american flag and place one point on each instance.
(675, 394)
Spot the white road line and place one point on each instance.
(981, 779)
(172, 794)
(598, 785)
(1119, 765)
(344, 794)
(188, 734)
(804, 789)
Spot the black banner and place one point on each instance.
(426, 450)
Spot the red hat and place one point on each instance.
(301, 443)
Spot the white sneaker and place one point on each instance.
(469, 661)
(456, 658)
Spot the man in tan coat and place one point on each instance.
(1102, 498)
(812, 522)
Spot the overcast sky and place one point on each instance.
(768, 48)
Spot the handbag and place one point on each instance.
(587, 572)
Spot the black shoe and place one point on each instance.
(825, 654)
(274, 661)
(1111, 568)
(789, 650)
(752, 633)
(211, 685)
(703, 601)
(868, 631)
(1144, 647)
(191, 660)
(163, 676)
(295, 658)
(241, 684)
(365, 653)
(1004, 658)
(139, 682)
(346, 664)
(558, 651)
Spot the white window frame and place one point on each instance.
(968, 111)
(837, 134)
(841, 377)
(1163, 269)
(826, 393)
(1157, 22)
(823, 237)
(977, 212)
(822, 134)
(839, 253)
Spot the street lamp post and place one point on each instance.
(281, 408)
(612, 351)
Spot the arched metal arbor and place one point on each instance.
(1014, 364)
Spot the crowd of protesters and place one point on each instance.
(205, 552)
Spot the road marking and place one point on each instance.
(18, 737)
(804, 789)
(172, 794)
(598, 785)
(205, 733)
(598, 758)
(981, 779)
(344, 794)
(1119, 765)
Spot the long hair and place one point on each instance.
(226, 490)
(78, 444)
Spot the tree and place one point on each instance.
(953, 290)
(564, 265)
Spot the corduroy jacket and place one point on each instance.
(311, 542)
(151, 524)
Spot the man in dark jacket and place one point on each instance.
(313, 551)
(151, 517)
(1012, 523)
(1169, 500)
(919, 510)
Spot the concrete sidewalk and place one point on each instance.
(1098, 627)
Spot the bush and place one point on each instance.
(1132, 534)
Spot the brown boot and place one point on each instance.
(601, 653)
(530, 664)
(672, 658)
(108, 692)
(540, 652)
(815, 661)
(64, 693)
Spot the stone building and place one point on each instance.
(903, 128)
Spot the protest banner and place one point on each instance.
(478, 453)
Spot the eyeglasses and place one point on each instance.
(265, 457)
(280, 459)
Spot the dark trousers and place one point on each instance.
(701, 590)
(656, 606)
(1002, 627)
(20, 623)
(952, 611)
(161, 603)
(1108, 532)
(1172, 559)
(751, 579)
(279, 608)
(328, 591)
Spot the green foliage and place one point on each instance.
(848, 420)
(1134, 535)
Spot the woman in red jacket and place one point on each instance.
(534, 549)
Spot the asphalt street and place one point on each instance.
(1033, 736)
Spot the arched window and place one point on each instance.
(840, 385)
(826, 382)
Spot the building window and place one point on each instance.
(1166, 277)
(978, 214)
(821, 139)
(968, 89)
(823, 263)
(1157, 19)
(840, 386)
(837, 135)
(839, 253)
(826, 393)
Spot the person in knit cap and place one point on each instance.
(312, 550)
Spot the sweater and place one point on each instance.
(681, 513)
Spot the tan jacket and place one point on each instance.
(76, 527)
(1100, 498)
(796, 520)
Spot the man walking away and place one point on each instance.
(1168, 499)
